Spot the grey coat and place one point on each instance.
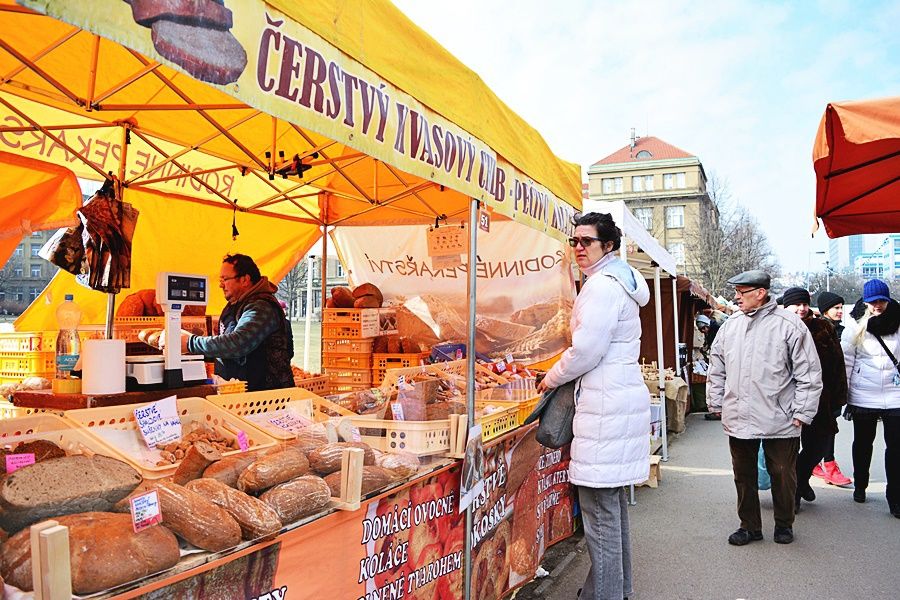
(764, 372)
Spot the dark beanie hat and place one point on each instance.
(828, 300)
(795, 295)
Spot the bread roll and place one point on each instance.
(104, 551)
(342, 297)
(229, 468)
(327, 459)
(366, 302)
(368, 289)
(256, 518)
(198, 457)
(192, 517)
(373, 478)
(131, 306)
(298, 498)
(273, 469)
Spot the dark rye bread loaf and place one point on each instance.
(210, 55)
(104, 551)
(204, 13)
(63, 486)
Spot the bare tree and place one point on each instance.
(847, 284)
(292, 286)
(728, 241)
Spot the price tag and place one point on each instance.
(243, 443)
(159, 422)
(501, 366)
(397, 410)
(509, 358)
(354, 433)
(289, 421)
(17, 461)
(459, 354)
(145, 511)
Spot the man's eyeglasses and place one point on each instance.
(583, 241)
(742, 292)
(224, 279)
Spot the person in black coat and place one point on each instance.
(831, 307)
(816, 437)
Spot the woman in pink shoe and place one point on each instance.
(831, 307)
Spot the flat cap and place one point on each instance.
(753, 278)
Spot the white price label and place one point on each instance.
(145, 511)
(509, 358)
(501, 366)
(289, 421)
(397, 410)
(159, 421)
(242, 440)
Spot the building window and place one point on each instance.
(612, 185)
(644, 154)
(648, 183)
(676, 249)
(20, 250)
(33, 294)
(680, 181)
(36, 234)
(35, 250)
(668, 181)
(18, 295)
(18, 272)
(36, 272)
(339, 269)
(637, 184)
(645, 216)
(674, 217)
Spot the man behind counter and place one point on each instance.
(253, 344)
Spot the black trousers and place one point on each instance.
(829, 452)
(781, 462)
(814, 444)
(864, 428)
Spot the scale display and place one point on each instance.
(179, 288)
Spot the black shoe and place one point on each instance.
(895, 510)
(806, 493)
(713, 416)
(859, 495)
(742, 537)
(783, 535)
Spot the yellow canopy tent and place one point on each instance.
(352, 94)
(34, 195)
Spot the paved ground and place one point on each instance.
(679, 530)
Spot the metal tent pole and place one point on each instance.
(677, 323)
(471, 282)
(307, 333)
(660, 363)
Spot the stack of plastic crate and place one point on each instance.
(347, 338)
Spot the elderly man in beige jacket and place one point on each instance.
(765, 379)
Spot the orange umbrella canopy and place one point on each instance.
(857, 162)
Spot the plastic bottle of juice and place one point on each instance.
(68, 346)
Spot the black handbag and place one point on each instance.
(556, 411)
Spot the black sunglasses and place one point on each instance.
(583, 241)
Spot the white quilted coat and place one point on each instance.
(612, 415)
(870, 372)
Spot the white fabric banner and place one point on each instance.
(524, 296)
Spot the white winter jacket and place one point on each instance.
(612, 413)
(870, 372)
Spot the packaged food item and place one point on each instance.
(327, 459)
(373, 478)
(273, 469)
(228, 469)
(256, 518)
(298, 498)
(404, 465)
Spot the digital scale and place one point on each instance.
(170, 369)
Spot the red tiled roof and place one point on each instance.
(658, 149)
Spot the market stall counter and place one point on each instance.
(46, 399)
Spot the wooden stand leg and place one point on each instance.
(459, 432)
(351, 479)
(51, 571)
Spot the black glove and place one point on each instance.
(848, 414)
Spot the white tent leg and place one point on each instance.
(660, 354)
(471, 287)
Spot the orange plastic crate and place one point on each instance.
(347, 346)
(339, 360)
(349, 376)
(382, 362)
(27, 363)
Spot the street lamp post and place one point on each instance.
(827, 271)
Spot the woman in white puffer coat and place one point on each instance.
(873, 379)
(612, 413)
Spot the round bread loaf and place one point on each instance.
(368, 289)
(366, 302)
(342, 297)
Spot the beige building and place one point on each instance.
(665, 188)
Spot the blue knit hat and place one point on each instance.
(876, 289)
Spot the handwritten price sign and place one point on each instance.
(159, 422)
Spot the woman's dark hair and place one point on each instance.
(605, 226)
(243, 265)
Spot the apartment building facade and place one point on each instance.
(25, 274)
(665, 188)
